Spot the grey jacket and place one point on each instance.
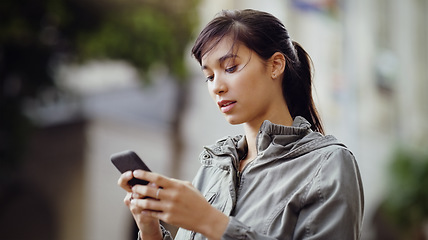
(302, 185)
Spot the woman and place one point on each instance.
(282, 179)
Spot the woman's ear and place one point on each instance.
(278, 64)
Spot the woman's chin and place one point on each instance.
(233, 121)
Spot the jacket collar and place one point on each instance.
(289, 141)
(300, 126)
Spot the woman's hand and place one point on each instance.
(176, 202)
(148, 225)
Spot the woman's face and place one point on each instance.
(240, 83)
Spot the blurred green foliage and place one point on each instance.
(407, 201)
(143, 34)
(37, 36)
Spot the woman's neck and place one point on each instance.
(251, 136)
(251, 132)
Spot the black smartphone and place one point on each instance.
(129, 161)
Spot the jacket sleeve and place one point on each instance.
(331, 209)
(237, 230)
(334, 205)
(166, 235)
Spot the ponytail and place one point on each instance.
(297, 87)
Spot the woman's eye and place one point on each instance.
(209, 78)
(231, 69)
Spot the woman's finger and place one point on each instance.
(127, 199)
(142, 191)
(124, 179)
(154, 178)
(146, 204)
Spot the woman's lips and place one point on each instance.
(226, 105)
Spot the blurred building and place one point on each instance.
(67, 186)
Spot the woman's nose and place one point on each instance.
(219, 86)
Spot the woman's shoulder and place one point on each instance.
(338, 162)
(337, 150)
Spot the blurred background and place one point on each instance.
(81, 80)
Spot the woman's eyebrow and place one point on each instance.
(226, 57)
(222, 59)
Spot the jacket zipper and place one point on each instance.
(239, 175)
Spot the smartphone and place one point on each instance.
(129, 161)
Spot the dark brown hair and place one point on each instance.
(265, 35)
